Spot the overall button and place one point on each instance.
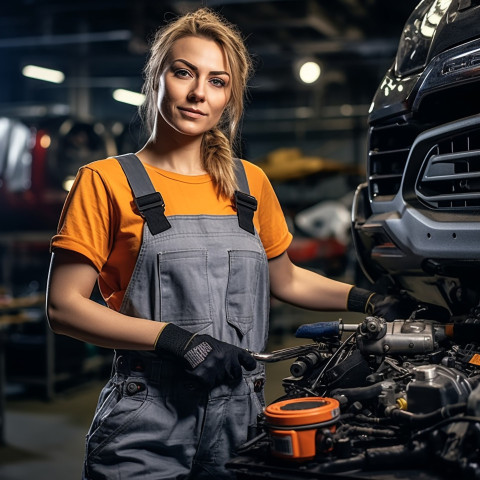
(258, 384)
(133, 387)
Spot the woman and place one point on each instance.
(182, 234)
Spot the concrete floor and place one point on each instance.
(45, 440)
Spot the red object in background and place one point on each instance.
(304, 250)
(36, 163)
(27, 202)
(39, 162)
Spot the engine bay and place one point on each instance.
(388, 400)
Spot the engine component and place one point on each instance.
(436, 386)
(300, 428)
(304, 363)
(377, 337)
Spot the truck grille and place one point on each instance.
(389, 146)
(450, 174)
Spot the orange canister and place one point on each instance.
(294, 425)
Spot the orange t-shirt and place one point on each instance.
(99, 219)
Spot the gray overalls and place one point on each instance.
(207, 274)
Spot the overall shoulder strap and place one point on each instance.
(149, 202)
(241, 176)
(245, 203)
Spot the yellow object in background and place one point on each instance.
(289, 163)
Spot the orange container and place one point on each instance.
(295, 425)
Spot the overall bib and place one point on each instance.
(207, 274)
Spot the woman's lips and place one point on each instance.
(192, 112)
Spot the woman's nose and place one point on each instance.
(197, 93)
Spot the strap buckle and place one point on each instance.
(244, 200)
(149, 201)
(245, 205)
(152, 209)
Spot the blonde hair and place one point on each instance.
(218, 143)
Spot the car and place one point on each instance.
(416, 218)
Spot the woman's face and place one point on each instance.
(195, 86)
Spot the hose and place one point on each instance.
(392, 457)
(370, 431)
(446, 421)
(420, 420)
(359, 393)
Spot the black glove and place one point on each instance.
(389, 307)
(393, 307)
(209, 360)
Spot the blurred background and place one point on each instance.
(69, 90)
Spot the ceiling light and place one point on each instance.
(127, 96)
(41, 73)
(309, 72)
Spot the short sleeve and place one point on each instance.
(272, 226)
(85, 222)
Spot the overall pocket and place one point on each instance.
(185, 296)
(242, 288)
(109, 397)
(227, 417)
(112, 426)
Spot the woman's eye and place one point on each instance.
(217, 82)
(182, 73)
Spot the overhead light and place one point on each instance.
(309, 71)
(41, 73)
(127, 96)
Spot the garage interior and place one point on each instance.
(310, 138)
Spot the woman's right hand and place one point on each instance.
(209, 360)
